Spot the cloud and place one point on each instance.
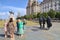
(4, 11)
(14, 9)
(4, 15)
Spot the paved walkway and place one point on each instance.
(34, 33)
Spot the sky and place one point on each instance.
(13, 5)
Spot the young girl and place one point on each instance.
(20, 27)
(5, 28)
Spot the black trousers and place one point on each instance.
(40, 24)
(43, 25)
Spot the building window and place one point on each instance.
(55, 4)
(59, 7)
(48, 6)
(59, 4)
(55, 8)
(43, 7)
(51, 5)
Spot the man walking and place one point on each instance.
(43, 21)
(40, 21)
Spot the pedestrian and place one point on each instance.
(20, 27)
(11, 28)
(5, 28)
(49, 24)
(43, 21)
(40, 21)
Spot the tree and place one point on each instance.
(34, 16)
(21, 17)
(57, 15)
(45, 15)
(38, 15)
(52, 13)
(30, 16)
(26, 16)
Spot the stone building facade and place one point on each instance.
(46, 5)
(32, 7)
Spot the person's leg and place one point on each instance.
(23, 27)
(43, 25)
(5, 34)
(40, 25)
(12, 35)
(48, 26)
(22, 32)
(21, 35)
(17, 29)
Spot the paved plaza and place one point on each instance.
(34, 33)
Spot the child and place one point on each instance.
(20, 27)
(5, 28)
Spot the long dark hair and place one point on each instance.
(11, 20)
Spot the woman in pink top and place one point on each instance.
(5, 28)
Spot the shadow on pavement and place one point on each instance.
(36, 28)
(2, 35)
(16, 34)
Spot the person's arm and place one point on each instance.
(14, 26)
(5, 26)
